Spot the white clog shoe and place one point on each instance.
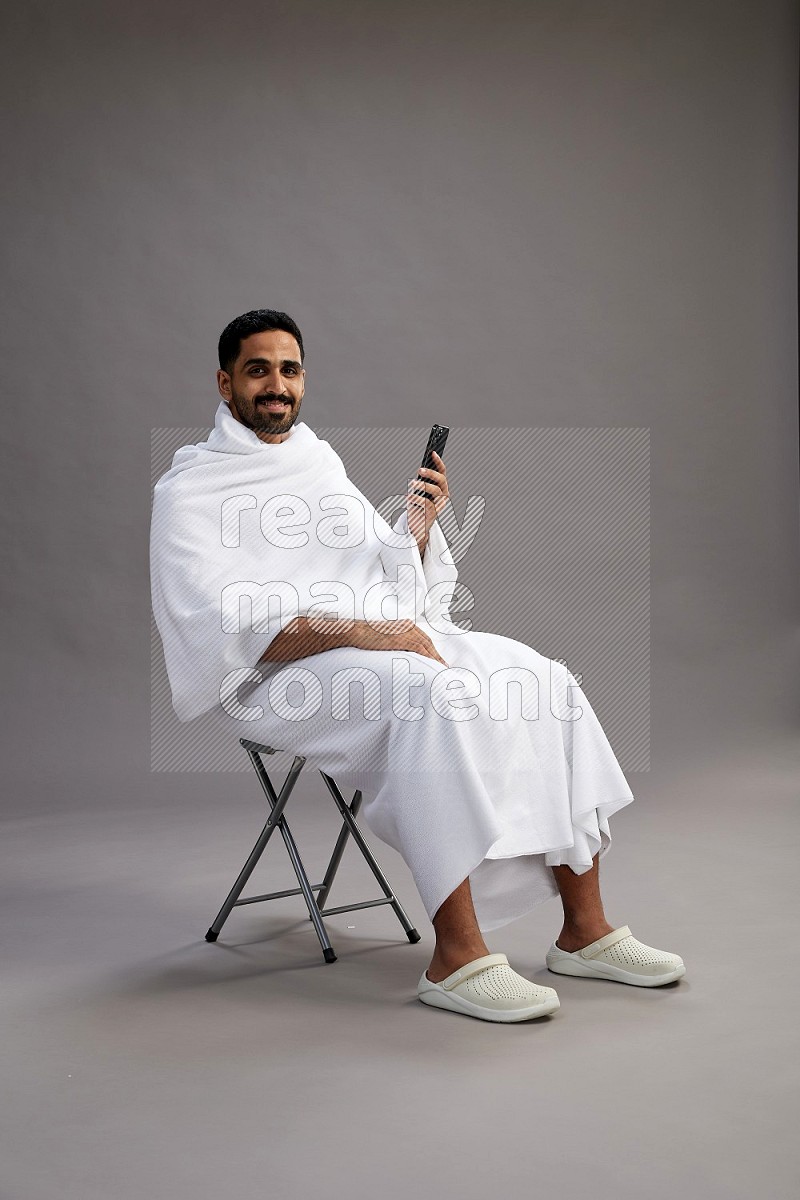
(620, 956)
(489, 989)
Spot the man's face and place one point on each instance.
(266, 384)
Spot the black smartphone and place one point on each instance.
(436, 441)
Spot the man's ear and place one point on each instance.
(224, 385)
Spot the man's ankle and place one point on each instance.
(575, 935)
(444, 963)
(582, 924)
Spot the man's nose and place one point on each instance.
(276, 383)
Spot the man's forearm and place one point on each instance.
(299, 639)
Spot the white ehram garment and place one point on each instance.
(457, 782)
(234, 513)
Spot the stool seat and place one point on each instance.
(276, 820)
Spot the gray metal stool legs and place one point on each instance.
(276, 820)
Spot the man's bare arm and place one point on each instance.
(300, 638)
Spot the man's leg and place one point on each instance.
(459, 940)
(584, 918)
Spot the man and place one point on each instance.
(494, 810)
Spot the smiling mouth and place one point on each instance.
(273, 405)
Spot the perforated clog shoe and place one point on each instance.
(620, 956)
(489, 989)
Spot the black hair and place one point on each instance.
(258, 320)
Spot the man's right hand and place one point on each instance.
(394, 635)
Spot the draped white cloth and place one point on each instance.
(495, 767)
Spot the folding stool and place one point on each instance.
(277, 820)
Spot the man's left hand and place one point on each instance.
(423, 509)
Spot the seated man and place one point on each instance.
(494, 810)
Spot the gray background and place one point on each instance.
(545, 215)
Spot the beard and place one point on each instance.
(258, 418)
